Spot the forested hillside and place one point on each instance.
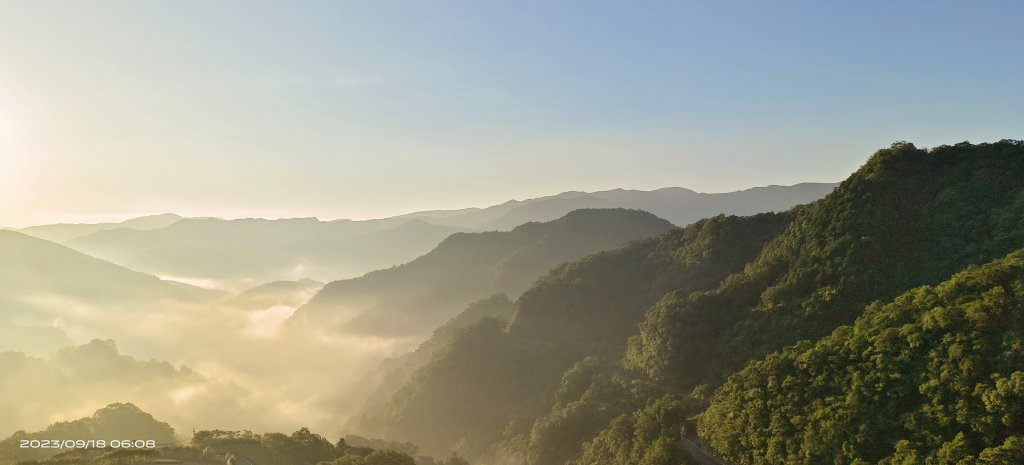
(561, 383)
(114, 422)
(392, 373)
(935, 376)
(490, 378)
(908, 217)
(413, 298)
(131, 436)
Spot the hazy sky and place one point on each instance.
(361, 109)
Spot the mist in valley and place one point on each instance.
(511, 233)
(92, 318)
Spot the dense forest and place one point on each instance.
(581, 312)
(116, 421)
(880, 325)
(605, 359)
(126, 423)
(935, 376)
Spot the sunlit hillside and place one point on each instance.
(511, 233)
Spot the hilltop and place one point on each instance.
(607, 357)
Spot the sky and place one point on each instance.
(339, 109)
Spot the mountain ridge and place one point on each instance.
(234, 254)
(466, 267)
(907, 217)
(63, 232)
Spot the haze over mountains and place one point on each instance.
(418, 296)
(241, 253)
(36, 267)
(141, 283)
(589, 339)
(75, 380)
(511, 233)
(45, 287)
(678, 205)
(606, 359)
(67, 231)
(237, 254)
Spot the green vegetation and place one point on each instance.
(608, 357)
(394, 373)
(644, 437)
(466, 267)
(935, 377)
(909, 217)
(879, 325)
(113, 422)
(306, 448)
(216, 447)
(491, 383)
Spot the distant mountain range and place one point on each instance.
(240, 253)
(214, 252)
(678, 205)
(879, 323)
(414, 298)
(65, 232)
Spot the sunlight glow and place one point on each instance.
(11, 160)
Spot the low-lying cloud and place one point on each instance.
(229, 363)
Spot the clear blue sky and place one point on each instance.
(362, 109)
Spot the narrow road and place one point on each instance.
(702, 457)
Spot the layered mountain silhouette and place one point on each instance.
(238, 254)
(607, 358)
(66, 232)
(678, 205)
(416, 297)
(242, 253)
